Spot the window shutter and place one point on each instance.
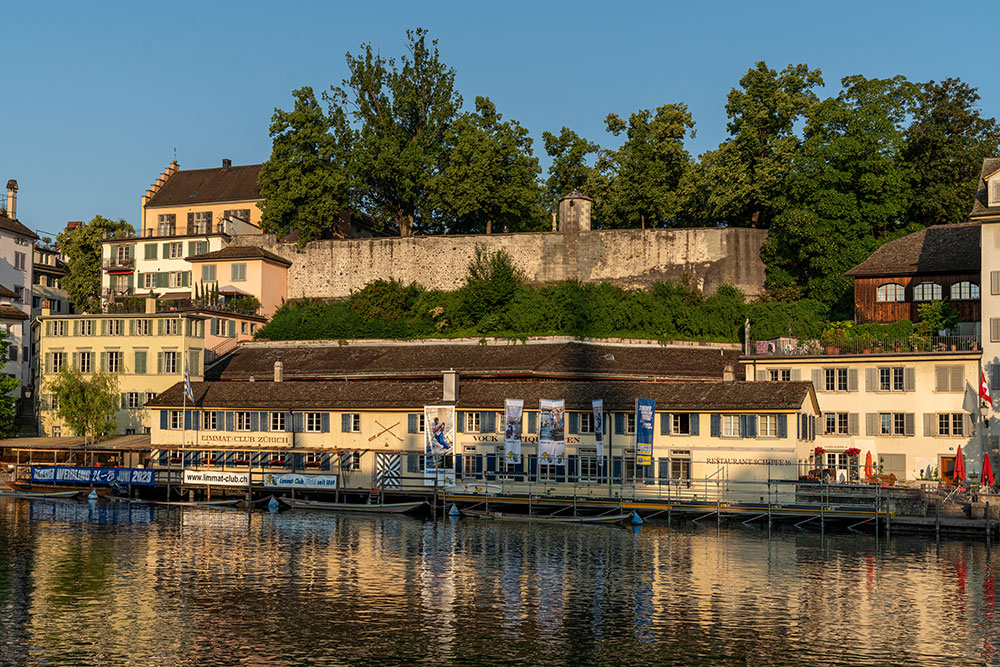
(104, 361)
(967, 427)
(665, 423)
(957, 378)
(254, 424)
(995, 376)
(908, 426)
(163, 419)
(159, 362)
(230, 421)
(325, 422)
(76, 361)
(411, 464)
(871, 379)
(159, 327)
(192, 247)
(761, 376)
(48, 361)
(131, 327)
(289, 422)
(190, 218)
(748, 429)
(940, 378)
(48, 328)
(411, 423)
(694, 423)
(852, 379)
(185, 278)
(104, 327)
(715, 425)
(140, 362)
(232, 328)
(852, 423)
(187, 420)
(486, 422)
(196, 420)
(930, 424)
(910, 379)
(619, 423)
(818, 383)
(574, 422)
(460, 422)
(166, 250)
(76, 327)
(264, 421)
(782, 426)
(871, 423)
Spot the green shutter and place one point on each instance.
(159, 328)
(131, 327)
(76, 327)
(150, 251)
(48, 361)
(159, 363)
(185, 278)
(131, 281)
(140, 362)
(104, 327)
(162, 280)
(166, 251)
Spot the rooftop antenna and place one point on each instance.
(175, 153)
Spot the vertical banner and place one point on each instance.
(513, 421)
(599, 426)
(439, 430)
(552, 432)
(645, 408)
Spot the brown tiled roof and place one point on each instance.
(556, 359)
(239, 252)
(201, 186)
(9, 312)
(487, 394)
(937, 249)
(15, 227)
(10, 294)
(981, 205)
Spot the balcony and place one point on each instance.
(792, 347)
(224, 227)
(118, 263)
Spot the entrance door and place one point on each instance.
(947, 469)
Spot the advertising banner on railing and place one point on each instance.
(209, 478)
(513, 421)
(102, 476)
(552, 432)
(645, 410)
(299, 481)
(439, 429)
(599, 426)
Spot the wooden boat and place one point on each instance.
(609, 519)
(181, 503)
(36, 495)
(30, 487)
(382, 508)
(474, 489)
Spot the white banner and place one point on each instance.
(439, 429)
(207, 477)
(513, 422)
(552, 432)
(299, 481)
(599, 426)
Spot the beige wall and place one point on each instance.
(150, 215)
(264, 280)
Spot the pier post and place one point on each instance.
(937, 518)
(988, 526)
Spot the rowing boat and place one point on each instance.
(180, 503)
(21, 486)
(548, 518)
(37, 494)
(383, 508)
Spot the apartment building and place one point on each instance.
(16, 272)
(49, 268)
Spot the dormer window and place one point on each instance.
(964, 290)
(890, 292)
(927, 292)
(994, 192)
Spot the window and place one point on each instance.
(242, 421)
(927, 292)
(150, 395)
(239, 213)
(210, 420)
(54, 403)
(200, 222)
(472, 422)
(170, 362)
(177, 279)
(116, 327)
(680, 465)
(208, 273)
(133, 400)
(630, 423)
(951, 424)
(767, 426)
(150, 250)
(19, 258)
(836, 423)
(176, 250)
(149, 280)
(143, 327)
(314, 422)
(314, 459)
(86, 327)
(890, 292)
(350, 422)
(680, 423)
(114, 361)
(19, 294)
(239, 272)
(171, 327)
(779, 375)
(85, 365)
(123, 253)
(277, 421)
(274, 460)
(57, 431)
(166, 224)
(730, 426)
(58, 361)
(243, 327)
(586, 422)
(892, 423)
(964, 290)
(12, 353)
(836, 379)
(58, 327)
(175, 420)
(890, 379)
(590, 469)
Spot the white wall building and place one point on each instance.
(16, 242)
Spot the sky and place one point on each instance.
(98, 96)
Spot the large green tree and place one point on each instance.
(87, 404)
(400, 115)
(305, 182)
(944, 150)
(8, 384)
(568, 170)
(750, 170)
(636, 185)
(489, 180)
(82, 247)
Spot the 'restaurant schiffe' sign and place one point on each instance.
(220, 439)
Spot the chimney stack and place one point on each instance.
(450, 386)
(279, 371)
(574, 212)
(226, 163)
(12, 199)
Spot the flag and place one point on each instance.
(984, 389)
(187, 383)
(971, 401)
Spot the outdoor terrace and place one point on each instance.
(793, 347)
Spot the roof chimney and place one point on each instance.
(226, 163)
(12, 199)
(279, 371)
(574, 212)
(450, 386)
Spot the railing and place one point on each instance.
(118, 263)
(223, 227)
(109, 293)
(792, 347)
(175, 305)
(220, 350)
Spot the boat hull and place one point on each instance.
(37, 495)
(380, 508)
(48, 489)
(609, 519)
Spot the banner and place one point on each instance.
(439, 429)
(552, 432)
(599, 426)
(645, 410)
(103, 476)
(298, 481)
(513, 416)
(209, 478)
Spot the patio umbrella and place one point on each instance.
(959, 473)
(868, 464)
(987, 476)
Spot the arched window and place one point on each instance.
(964, 290)
(890, 292)
(927, 292)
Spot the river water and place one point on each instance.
(110, 584)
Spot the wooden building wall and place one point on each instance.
(868, 309)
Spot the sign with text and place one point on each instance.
(209, 478)
(598, 406)
(513, 414)
(645, 411)
(102, 476)
(552, 432)
(300, 481)
(252, 439)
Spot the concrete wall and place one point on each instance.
(627, 257)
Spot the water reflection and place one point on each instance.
(102, 583)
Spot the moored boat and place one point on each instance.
(36, 495)
(549, 518)
(382, 508)
(22, 486)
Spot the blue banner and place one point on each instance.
(101, 476)
(645, 409)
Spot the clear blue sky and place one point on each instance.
(96, 96)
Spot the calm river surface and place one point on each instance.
(107, 584)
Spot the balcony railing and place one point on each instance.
(222, 227)
(112, 263)
(792, 347)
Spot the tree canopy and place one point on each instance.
(82, 247)
(8, 384)
(87, 404)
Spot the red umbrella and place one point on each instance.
(987, 477)
(959, 473)
(868, 464)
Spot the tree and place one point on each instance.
(568, 170)
(8, 384)
(82, 247)
(489, 179)
(944, 151)
(304, 183)
(750, 170)
(401, 117)
(636, 185)
(491, 282)
(87, 406)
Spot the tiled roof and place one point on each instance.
(200, 186)
(10, 294)
(487, 394)
(550, 359)
(9, 312)
(15, 227)
(937, 249)
(981, 207)
(239, 252)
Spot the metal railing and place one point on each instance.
(118, 263)
(791, 347)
